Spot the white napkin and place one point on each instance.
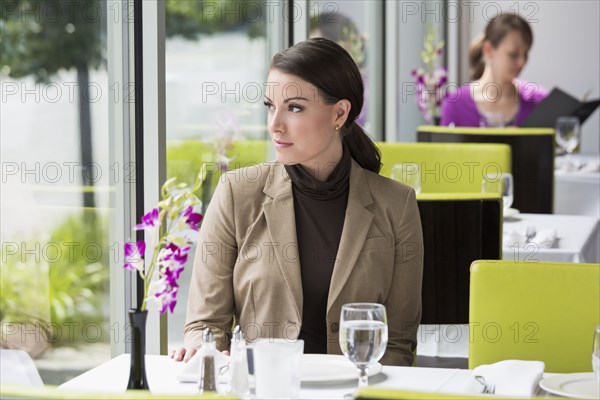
(190, 372)
(516, 378)
(576, 165)
(544, 239)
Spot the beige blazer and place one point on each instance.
(246, 267)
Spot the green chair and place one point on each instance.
(458, 228)
(534, 311)
(532, 159)
(448, 168)
(52, 393)
(374, 393)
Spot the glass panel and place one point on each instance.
(56, 182)
(216, 66)
(350, 24)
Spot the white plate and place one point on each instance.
(330, 368)
(511, 212)
(582, 385)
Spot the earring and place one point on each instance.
(337, 128)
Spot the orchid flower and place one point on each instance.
(165, 226)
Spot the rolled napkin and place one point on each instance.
(544, 239)
(513, 378)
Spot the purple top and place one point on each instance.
(459, 107)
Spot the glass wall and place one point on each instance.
(216, 67)
(56, 182)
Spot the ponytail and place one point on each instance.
(476, 63)
(361, 147)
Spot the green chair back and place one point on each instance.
(375, 393)
(447, 168)
(534, 311)
(532, 159)
(458, 229)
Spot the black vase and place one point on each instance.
(137, 372)
(437, 120)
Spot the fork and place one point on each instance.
(487, 389)
(530, 233)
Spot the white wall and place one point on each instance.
(566, 49)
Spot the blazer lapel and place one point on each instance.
(356, 225)
(281, 223)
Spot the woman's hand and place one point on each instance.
(183, 354)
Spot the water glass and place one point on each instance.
(363, 336)
(493, 120)
(500, 184)
(568, 133)
(277, 368)
(596, 353)
(409, 174)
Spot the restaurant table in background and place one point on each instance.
(577, 185)
(111, 377)
(578, 238)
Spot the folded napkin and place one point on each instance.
(190, 372)
(513, 378)
(576, 165)
(544, 239)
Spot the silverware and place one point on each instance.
(530, 233)
(487, 389)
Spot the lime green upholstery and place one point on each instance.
(532, 161)
(458, 228)
(534, 311)
(447, 168)
(374, 393)
(52, 393)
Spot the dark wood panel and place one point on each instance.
(532, 165)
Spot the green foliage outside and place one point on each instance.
(70, 284)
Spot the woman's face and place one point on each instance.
(301, 125)
(509, 58)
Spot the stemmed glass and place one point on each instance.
(409, 174)
(568, 132)
(596, 353)
(363, 336)
(501, 184)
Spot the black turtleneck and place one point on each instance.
(320, 210)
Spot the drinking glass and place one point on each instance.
(409, 174)
(596, 353)
(363, 336)
(501, 184)
(492, 120)
(568, 132)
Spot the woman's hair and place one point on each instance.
(495, 31)
(328, 67)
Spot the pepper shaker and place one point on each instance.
(208, 382)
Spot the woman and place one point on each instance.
(496, 97)
(284, 245)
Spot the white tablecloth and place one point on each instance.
(161, 371)
(577, 192)
(578, 238)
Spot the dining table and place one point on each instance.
(577, 238)
(577, 185)
(162, 373)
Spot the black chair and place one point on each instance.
(532, 159)
(458, 228)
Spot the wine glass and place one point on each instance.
(568, 132)
(501, 184)
(596, 353)
(363, 336)
(409, 174)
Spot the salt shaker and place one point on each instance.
(208, 382)
(238, 365)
